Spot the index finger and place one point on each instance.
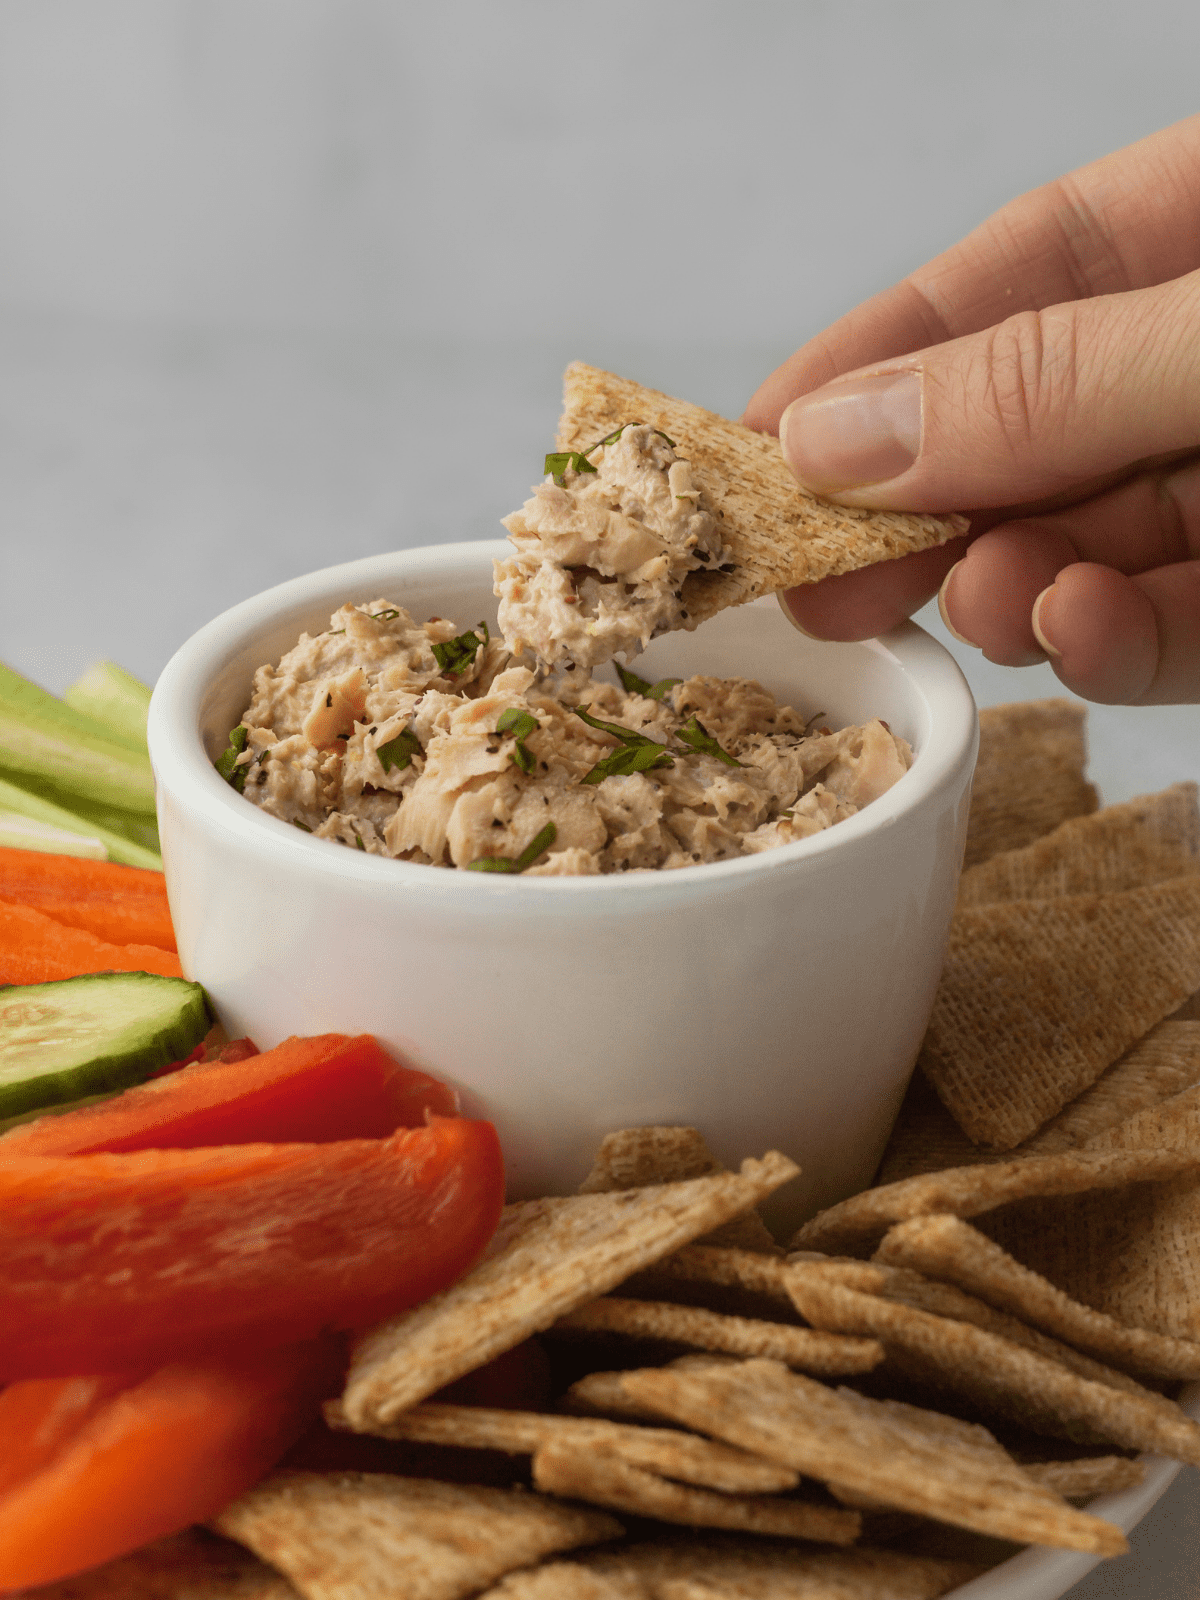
(1127, 221)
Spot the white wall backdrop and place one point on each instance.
(643, 169)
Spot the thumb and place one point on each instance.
(1022, 411)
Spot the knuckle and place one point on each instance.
(1028, 381)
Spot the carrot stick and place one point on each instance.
(121, 905)
(34, 948)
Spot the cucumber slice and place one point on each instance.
(87, 1036)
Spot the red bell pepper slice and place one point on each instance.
(117, 1262)
(311, 1091)
(95, 1467)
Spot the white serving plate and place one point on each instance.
(1040, 1574)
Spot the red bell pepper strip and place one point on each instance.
(144, 1457)
(311, 1091)
(117, 1262)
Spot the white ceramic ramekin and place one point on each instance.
(776, 1001)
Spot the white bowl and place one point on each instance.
(773, 1001)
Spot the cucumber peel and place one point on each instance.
(77, 1037)
(120, 847)
(114, 698)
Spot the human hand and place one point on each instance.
(1043, 374)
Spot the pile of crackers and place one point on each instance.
(638, 1394)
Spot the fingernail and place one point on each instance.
(846, 435)
(791, 616)
(945, 615)
(1039, 632)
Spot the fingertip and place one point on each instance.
(784, 598)
(987, 599)
(1039, 629)
(943, 605)
(1101, 633)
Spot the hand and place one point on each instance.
(1043, 374)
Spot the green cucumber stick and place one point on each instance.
(42, 738)
(135, 826)
(115, 698)
(14, 798)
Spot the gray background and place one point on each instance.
(285, 282)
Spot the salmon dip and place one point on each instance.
(603, 546)
(428, 744)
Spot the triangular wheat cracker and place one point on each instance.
(1134, 1255)
(1029, 776)
(359, 1535)
(1126, 846)
(908, 1287)
(669, 1453)
(801, 1348)
(188, 1566)
(950, 1249)
(605, 1479)
(778, 534)
(730, 1568)
(631, 1158)
(1006, 1379)
(873, 1448)
(1038, 997)
(547, 1257)
(860, 1222)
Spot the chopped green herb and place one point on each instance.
(616, 434)
(559, 462)
(398, 752)
(816, 717)
(629, 736)
(639, 754)
(632, 684)
(528, 856)
(226, 762)
(358, 841)
(520, 724)
(627, 760)
(385, 616)
(303, 826)
(456, 655)
(695, 735)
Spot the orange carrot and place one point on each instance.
(149, 1458)
(122, 905)
(35, 948)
